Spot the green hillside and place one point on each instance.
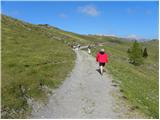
(139, 84)
(33, 56)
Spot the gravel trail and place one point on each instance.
(85, 94)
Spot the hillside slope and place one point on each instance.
(33, 57)
(94, 96)
(139, 84)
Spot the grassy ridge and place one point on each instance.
(139, 83)
(31, 59)
(36, 55)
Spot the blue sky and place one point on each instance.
(124, 19)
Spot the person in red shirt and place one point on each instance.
(102, 58)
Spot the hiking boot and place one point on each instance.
(102, 73)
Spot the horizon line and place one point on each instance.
(99, 34)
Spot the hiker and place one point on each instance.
(89, 49)
(79, 47)
(102, 58)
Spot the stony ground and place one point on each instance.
(87, 94)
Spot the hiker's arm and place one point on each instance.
(97, 58)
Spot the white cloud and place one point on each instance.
(89, 10)
(14, 13)
(130, 10)
(62, 15)
(148, 12)
(133, 36)
(112, 35)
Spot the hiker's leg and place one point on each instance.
(99, 66)
(101, 69)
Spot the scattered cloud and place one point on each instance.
(130, 10)
(13, 13)
(148, 12)
(112, 35)
(133, 36)
(89, 10)
(62, 15)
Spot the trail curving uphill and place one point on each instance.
(85, 94)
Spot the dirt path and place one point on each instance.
(85, 94)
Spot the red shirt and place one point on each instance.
(102, 57)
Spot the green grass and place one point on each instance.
(30, 59)
(35, 55)
(139, 83)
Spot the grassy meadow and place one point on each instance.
(138, 83)
(34, 56)
(31, 59)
